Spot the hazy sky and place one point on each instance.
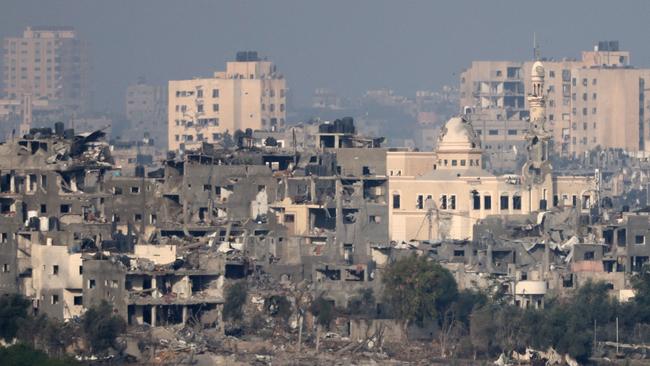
(345, 45)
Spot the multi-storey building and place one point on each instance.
(146, 112)
(249, 94)
(599, 100)
(47, 63)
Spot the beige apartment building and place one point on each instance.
(249, 94)
(47, 63)
(599, 100)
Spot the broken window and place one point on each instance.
(556, 200)
(574, 200)
(289, 218)
(589, 256)
(459, 253)
(65, 208)
(135, 190)
(207, 187)
(117, 191)
(374, 219)
(54, 299)
(621, 237)
(55, 269)
(639, 239)
(487, 202)
(43, 208)
(420, 202)
(78, 300)
(5, 268)
(137, 217)
(81, 270)
(91, 283)
(44, 181)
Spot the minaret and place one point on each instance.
(537, 166)
(26, 115)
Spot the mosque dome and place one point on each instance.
(458, 135)
(538, 70)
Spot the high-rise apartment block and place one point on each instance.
(249, 94)
(146, 112)
(597, 101)
(47, 63)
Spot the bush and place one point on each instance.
(101, 327)
(23, 355)
(323, 310)
(13, 310)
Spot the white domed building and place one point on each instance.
(445, 200)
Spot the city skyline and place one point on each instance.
(348, 48)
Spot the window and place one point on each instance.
(215, 93)
(5, 268)
(512, 132)
(199, 108)
(115, 283)
(55, 269)
(516, 202)
(54, 299)
(551, 74)
(499, 73)
(420, 202)
(487, 202)
(443, 202)
(454, 162)
(504, 202)
(81, 270)
(215, 107)
(374, 219)
(199, 93)
(65, 208)
(396, 200)
(78, 300)
(135, 190)
(459, 253)
(476, 201)
(462, 162)
(574, 200)
(43, 208)
(44, 181)
(452, 202)
(137, 217)
(493, 132)
(639, 239)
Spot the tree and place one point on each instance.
(271, 142)
(13, 310)
(235, 301)
(481, 330)
(323, 310)
(363, 303)
(419, 290)
(101, 326)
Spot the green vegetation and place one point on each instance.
(323, 310)
(236, 295)
(23, 355)
(418, 289)
(101, 327)
(470, 323)
(13, 310)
